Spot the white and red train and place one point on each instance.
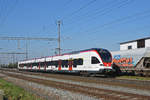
(92, 61)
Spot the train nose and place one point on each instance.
(107, 64)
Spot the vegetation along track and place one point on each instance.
(94, 92)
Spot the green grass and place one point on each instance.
(13, 92)
(134, 78)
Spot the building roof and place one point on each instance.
(135, 40)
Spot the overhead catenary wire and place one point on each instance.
(67, 2)
(2, 7)
(12, 53)
(144, 14)
(118, 20)
(103, 8)
(103, 11)
(78, 10)
(6, 10)
(27, 38)
(110, 6)
(109, 9)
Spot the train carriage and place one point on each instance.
(91, 61)
(135, 61)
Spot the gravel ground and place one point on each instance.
(101, 86)
(49, 93)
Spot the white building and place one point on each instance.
(134, 44)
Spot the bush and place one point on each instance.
(12, 92)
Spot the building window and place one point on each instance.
(129, 47)
(141, 43)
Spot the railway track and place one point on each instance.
(144, 85)
(99, 93)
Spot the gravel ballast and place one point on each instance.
(46, 92)
(101, 86)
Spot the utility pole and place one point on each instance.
(59, 48)
(26, 49)
(13, 58)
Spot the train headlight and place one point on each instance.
(101, 64)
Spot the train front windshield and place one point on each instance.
(105, 55)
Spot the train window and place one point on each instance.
(95, 60)
(75, 62)
(25, 65)
(66, 63)
(28, 65)
(80, 61)
(42, 64)
(49, 63)
(63, 63)
(34, 64)
(21, 65)
(55, 63)
(105, 55)
(52, 63)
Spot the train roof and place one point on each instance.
(74, 52)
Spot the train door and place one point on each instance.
(31, 66)
(27, 66)
(59, 65)
(39, 66)
(70, 64)
(45, 66)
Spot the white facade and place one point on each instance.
(147, 43)
(134, 44)
(125, 46)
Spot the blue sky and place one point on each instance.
(85, 23)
